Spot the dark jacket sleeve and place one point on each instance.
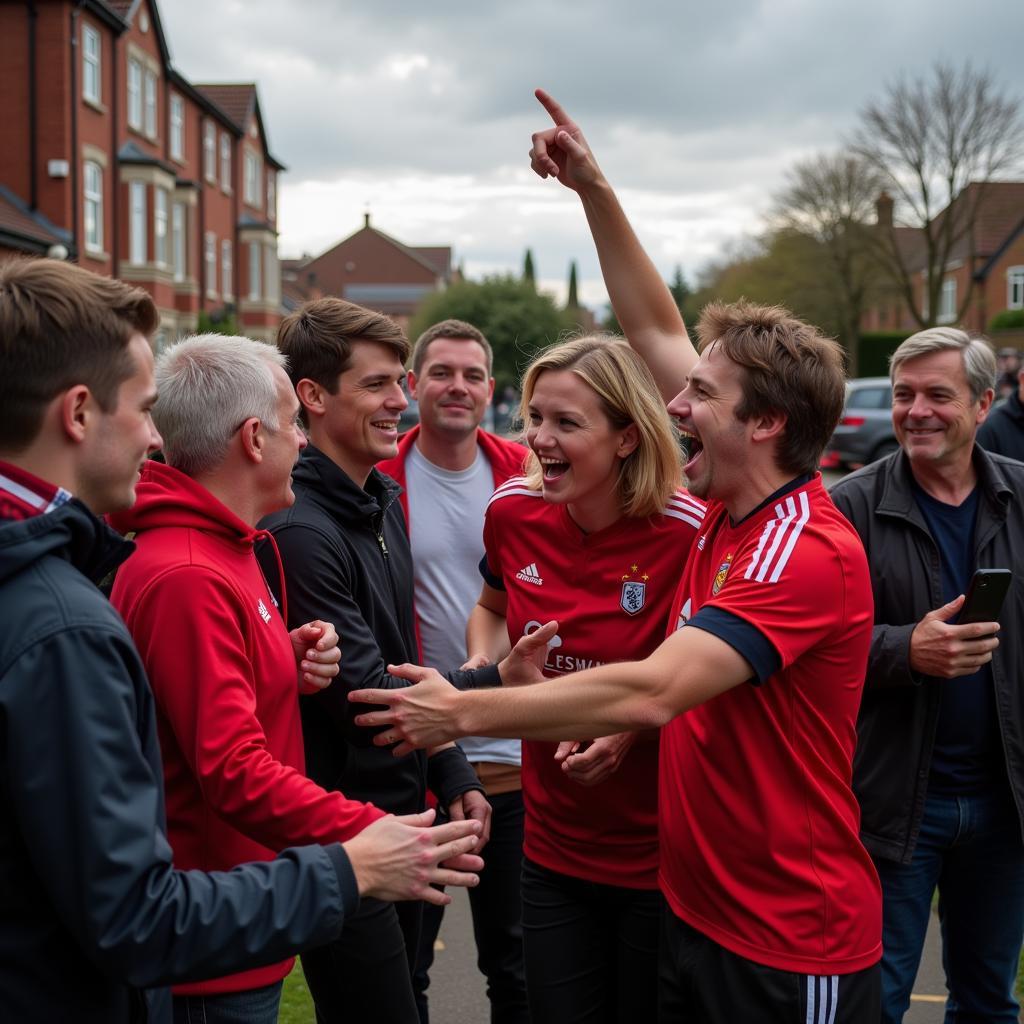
(89, 808)
(889, 656)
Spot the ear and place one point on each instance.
(410, 380)
(985, 406)
(252, 439)
(311, 395)
(628, 441)
(772, 425)
(76, 407)
(490, 391)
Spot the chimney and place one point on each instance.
(366, 219)
(883, 210)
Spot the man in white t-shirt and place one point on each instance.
(448, 468)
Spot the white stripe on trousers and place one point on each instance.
(822, 998)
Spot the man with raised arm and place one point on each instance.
(774, 903)
(92, 910)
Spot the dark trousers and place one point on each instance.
(495, 905)
(701, 982)
(591, 949)
(366, 974)
(970, 847)
(251, 1006)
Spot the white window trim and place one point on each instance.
(95, 199)
(179, 221)
(253, 168)
(1015, 274)
(92, 62)
(210, 259)
(226, 269)
(149, 102)
(255, 271)
(210, 151)
(160, 227)
(225, 162)
(271, 194)
(177, 128)
(137, 241)
(271, 274)
(946, 312)
(134, 85)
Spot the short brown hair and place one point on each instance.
(318, 337)
(457, 329)
(60, 326)
(789, 367)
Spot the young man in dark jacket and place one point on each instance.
(92, 911)
(1003, 432)
(939, 769)
(347, 560)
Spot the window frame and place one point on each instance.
(92, 62)
(92, 202)
(137, 239)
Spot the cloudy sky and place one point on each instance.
(421, 112)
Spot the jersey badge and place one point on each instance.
(723, 571)
(631, 599)
(262, 609)
(530, 574)
(700, 541)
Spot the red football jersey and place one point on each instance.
(611, 592)
(759, 825)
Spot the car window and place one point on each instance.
(869, 398)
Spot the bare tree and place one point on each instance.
(931, 138)
(831, 198)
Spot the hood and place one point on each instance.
(70, 532)
(167, 497)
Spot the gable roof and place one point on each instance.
(239, 101)
(25, 230)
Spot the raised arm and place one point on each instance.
(641, 299)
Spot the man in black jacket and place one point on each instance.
(1003, 432)
(345, 552)
(91, 909)
(939, 768)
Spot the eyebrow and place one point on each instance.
(376, 378)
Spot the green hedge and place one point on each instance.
(1008, 319)
(874, 349)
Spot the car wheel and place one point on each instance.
(884, 449)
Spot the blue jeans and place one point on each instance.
(252, 1006)
(970, 847)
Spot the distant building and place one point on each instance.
(993, 256)
(112, 156)
(372, 269)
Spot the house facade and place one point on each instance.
(991, 257)
(111, 158)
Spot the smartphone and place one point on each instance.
(985, 596)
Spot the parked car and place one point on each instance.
(864, 433)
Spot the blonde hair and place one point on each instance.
(628, 395)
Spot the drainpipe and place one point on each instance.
(75, 13)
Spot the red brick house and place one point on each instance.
(135, 171)
(373, 269)
(992, 256)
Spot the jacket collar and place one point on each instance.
(337, 492)
(898, 499)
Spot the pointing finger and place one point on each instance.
(553, 107)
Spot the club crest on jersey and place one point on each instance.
(723, 571)
(631, 600)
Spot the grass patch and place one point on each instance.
(296, 1002)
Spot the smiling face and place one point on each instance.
(359, 425)
(453, 387)
(717, 442)
(933, 413)
(121, 439)
(579, 449)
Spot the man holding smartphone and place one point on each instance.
(939, 768)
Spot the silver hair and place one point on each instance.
(207, 387)
(978, 357)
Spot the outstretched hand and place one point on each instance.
(592, 763)
(401, 858)
(562, 152)
(419, 716)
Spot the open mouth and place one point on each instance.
(387, 426)
(553, 469)
(691, 446)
